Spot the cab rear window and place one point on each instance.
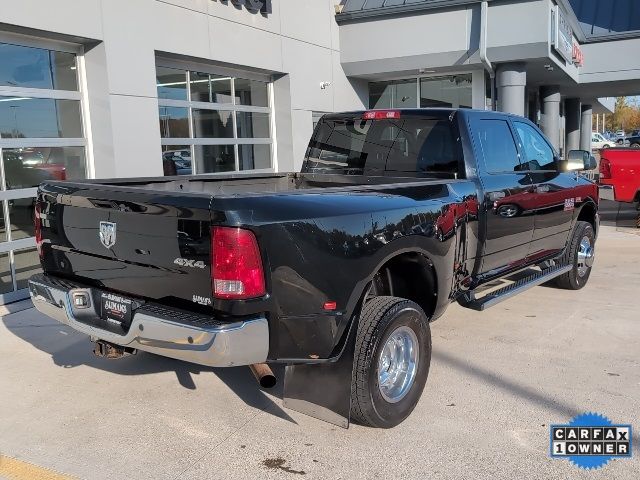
(420, 145)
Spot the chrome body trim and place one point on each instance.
(606, 192)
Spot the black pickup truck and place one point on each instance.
(336, 271)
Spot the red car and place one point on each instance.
(620, 174)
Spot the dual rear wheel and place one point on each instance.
(393, 344)
(392, 358)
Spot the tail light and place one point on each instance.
(236, 270)
(605, 169)
(37, 223)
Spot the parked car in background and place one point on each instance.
(608, 135)
(620, 174)
(634, 141)
(620, 137)
(177, 162)
(598, 142)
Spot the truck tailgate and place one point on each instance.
(153, 245)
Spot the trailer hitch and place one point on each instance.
(111, 350)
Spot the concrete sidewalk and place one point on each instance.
(498, 379)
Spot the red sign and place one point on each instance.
(578, 56)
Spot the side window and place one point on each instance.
(498, 147)
(538, 154)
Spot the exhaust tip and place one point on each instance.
(264, 375)
(268, 381)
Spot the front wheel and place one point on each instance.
(635, 145)
(391, 364)
(605, 146)
(581, 254)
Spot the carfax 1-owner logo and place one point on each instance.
(590, 440)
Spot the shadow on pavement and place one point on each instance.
(535, 396)
(69, 349)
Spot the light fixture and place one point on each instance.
(422, 70)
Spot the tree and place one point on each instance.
(626, 115)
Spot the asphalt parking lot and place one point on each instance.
(498, 379)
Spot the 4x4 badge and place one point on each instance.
(108, 234)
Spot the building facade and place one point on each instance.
(124, 88)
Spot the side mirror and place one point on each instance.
(578, 160)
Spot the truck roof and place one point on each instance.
(433, 111)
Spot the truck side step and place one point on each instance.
(469, 299)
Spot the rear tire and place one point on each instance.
(580, 253)
(391, 364)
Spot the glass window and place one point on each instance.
(27, 263)
(174, 122)
(221, 109)
(215, 158)
(220, 89)
(345, 145)
(6, 282)
(451, 91)
(53, 121)
(498, 148)
(253, 125)
(394, 94)
(37, 68)
(172, 83)
(28, 167)
(200, 87)
(21, 215)
(424, 146)
(3, 223)
(537, 152)
(212, 123)
(176, 160)
(251, 92)
(39, 118)
(254, 156)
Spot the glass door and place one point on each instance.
(41, 139)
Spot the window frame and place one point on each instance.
(233, 107)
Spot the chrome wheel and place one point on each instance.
(586, 256)
(398, 364)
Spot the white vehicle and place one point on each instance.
(598, 141)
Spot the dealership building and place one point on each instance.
(123, 88)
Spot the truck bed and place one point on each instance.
(234, 184)
(162, 242)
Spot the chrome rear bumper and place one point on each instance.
(210, 343)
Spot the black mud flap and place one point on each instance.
(323, 390)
